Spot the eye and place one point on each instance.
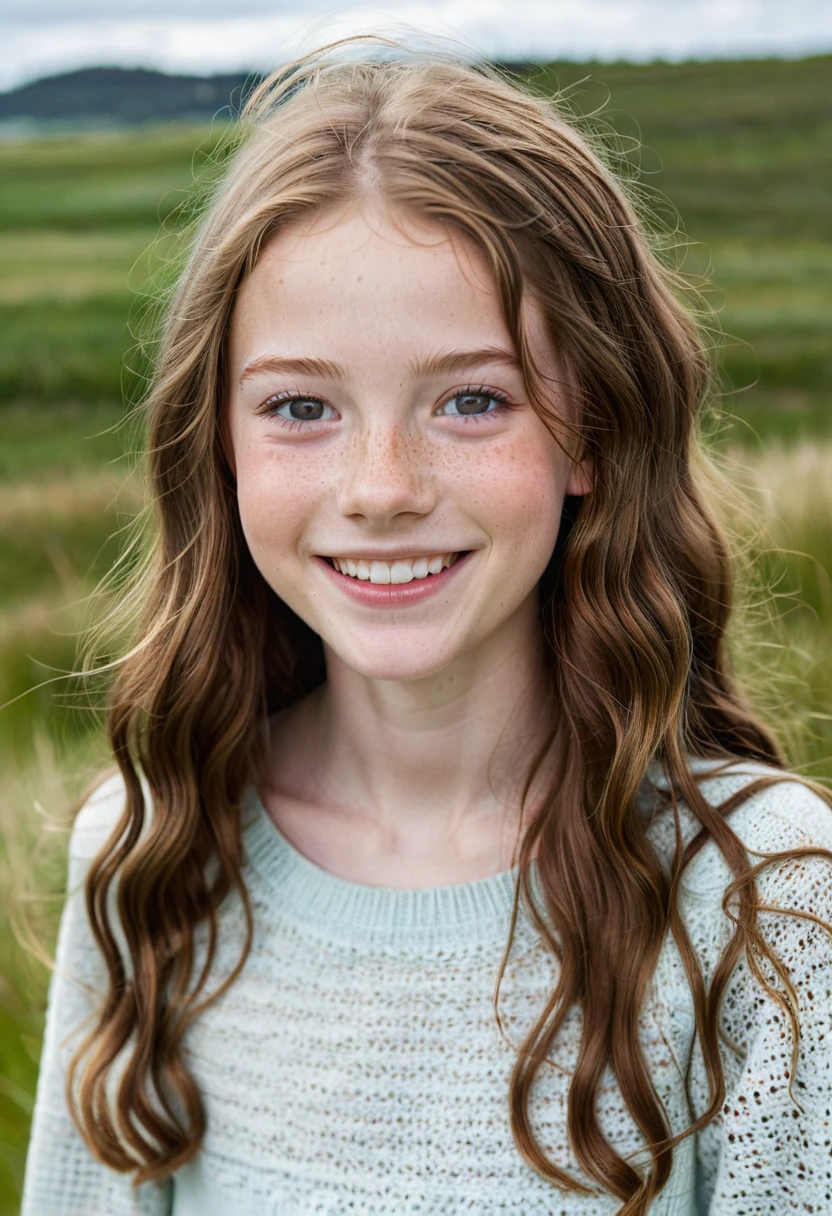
(294, 408)
(473, 403)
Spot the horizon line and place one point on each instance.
(734, 56)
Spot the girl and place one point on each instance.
(435, 620)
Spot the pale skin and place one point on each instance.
(381, 776)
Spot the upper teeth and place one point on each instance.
(403, 570)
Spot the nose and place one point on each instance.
(386, 473)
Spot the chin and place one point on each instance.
(392, 662)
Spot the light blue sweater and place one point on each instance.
(356, 1066)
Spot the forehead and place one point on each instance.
(369, 280)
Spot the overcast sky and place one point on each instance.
(41, 37)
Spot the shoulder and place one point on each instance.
(784, 815)
(794, 894)
(97, 820)
(93, 830)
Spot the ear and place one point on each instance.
(581, 479)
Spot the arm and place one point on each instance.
(766, 1154)
(62, 1176)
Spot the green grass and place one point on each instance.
(103, 180)
(742, 150)
(85, 222)
(48, 439)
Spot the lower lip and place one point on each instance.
(393, 595)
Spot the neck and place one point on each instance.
(419, 762)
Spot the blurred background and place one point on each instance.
(721, 113)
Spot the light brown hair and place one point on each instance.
(634, 605)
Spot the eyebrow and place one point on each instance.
(448, 361)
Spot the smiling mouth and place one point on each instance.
(402, 570)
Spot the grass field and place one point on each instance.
(742, 151)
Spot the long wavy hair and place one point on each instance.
(634, 604)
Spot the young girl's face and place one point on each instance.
(377, 421)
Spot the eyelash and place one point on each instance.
(481, 390)
(293, 424)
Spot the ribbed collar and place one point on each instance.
(460, 915)
(352, 913)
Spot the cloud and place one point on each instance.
(44, 36)
(58, 12)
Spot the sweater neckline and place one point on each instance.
(338, 909)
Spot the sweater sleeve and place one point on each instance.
(768, 1153)
(62, 1177)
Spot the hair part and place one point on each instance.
(634, 605)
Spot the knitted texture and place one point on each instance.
(356, 1065)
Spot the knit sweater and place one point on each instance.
(355, 1065)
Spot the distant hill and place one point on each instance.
(124, 96)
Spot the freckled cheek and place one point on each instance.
(518, 499)
(276, 501)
